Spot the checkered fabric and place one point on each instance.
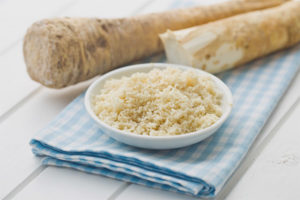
(73, 139)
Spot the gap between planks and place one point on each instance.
(60, 11)
(119, 190)
(253, 154)
(232, 182)
(14, 109)
(125, 185)
(142, 7)
(257, 148)
(16, 42)
(249, 160)
(25, 182)
(13, 45)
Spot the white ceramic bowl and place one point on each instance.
(156, 142)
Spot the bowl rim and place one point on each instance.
(222, 86)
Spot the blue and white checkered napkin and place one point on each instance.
(74, 140)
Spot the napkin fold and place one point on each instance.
(73, 139)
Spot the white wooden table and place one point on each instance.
(271, 169)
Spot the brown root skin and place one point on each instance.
(43, 54)
(57, 54)
(64, 51)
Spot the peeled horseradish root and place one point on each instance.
(227, 43)
(64, 51)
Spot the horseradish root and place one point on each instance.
(227, 43)
(64, 51)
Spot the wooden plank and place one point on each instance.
(141, 192)
(274, 122)
(16, 16)
(275, 174)
(32, 116)
(60, 183)
(12, 59)
(135, 191)
(54, 101)
(18, 128)
(13, 71)
(15, 83)
(113, 9)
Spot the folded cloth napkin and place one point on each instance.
(74, 140)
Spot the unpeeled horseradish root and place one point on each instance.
(64, 51)
(227, 43)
